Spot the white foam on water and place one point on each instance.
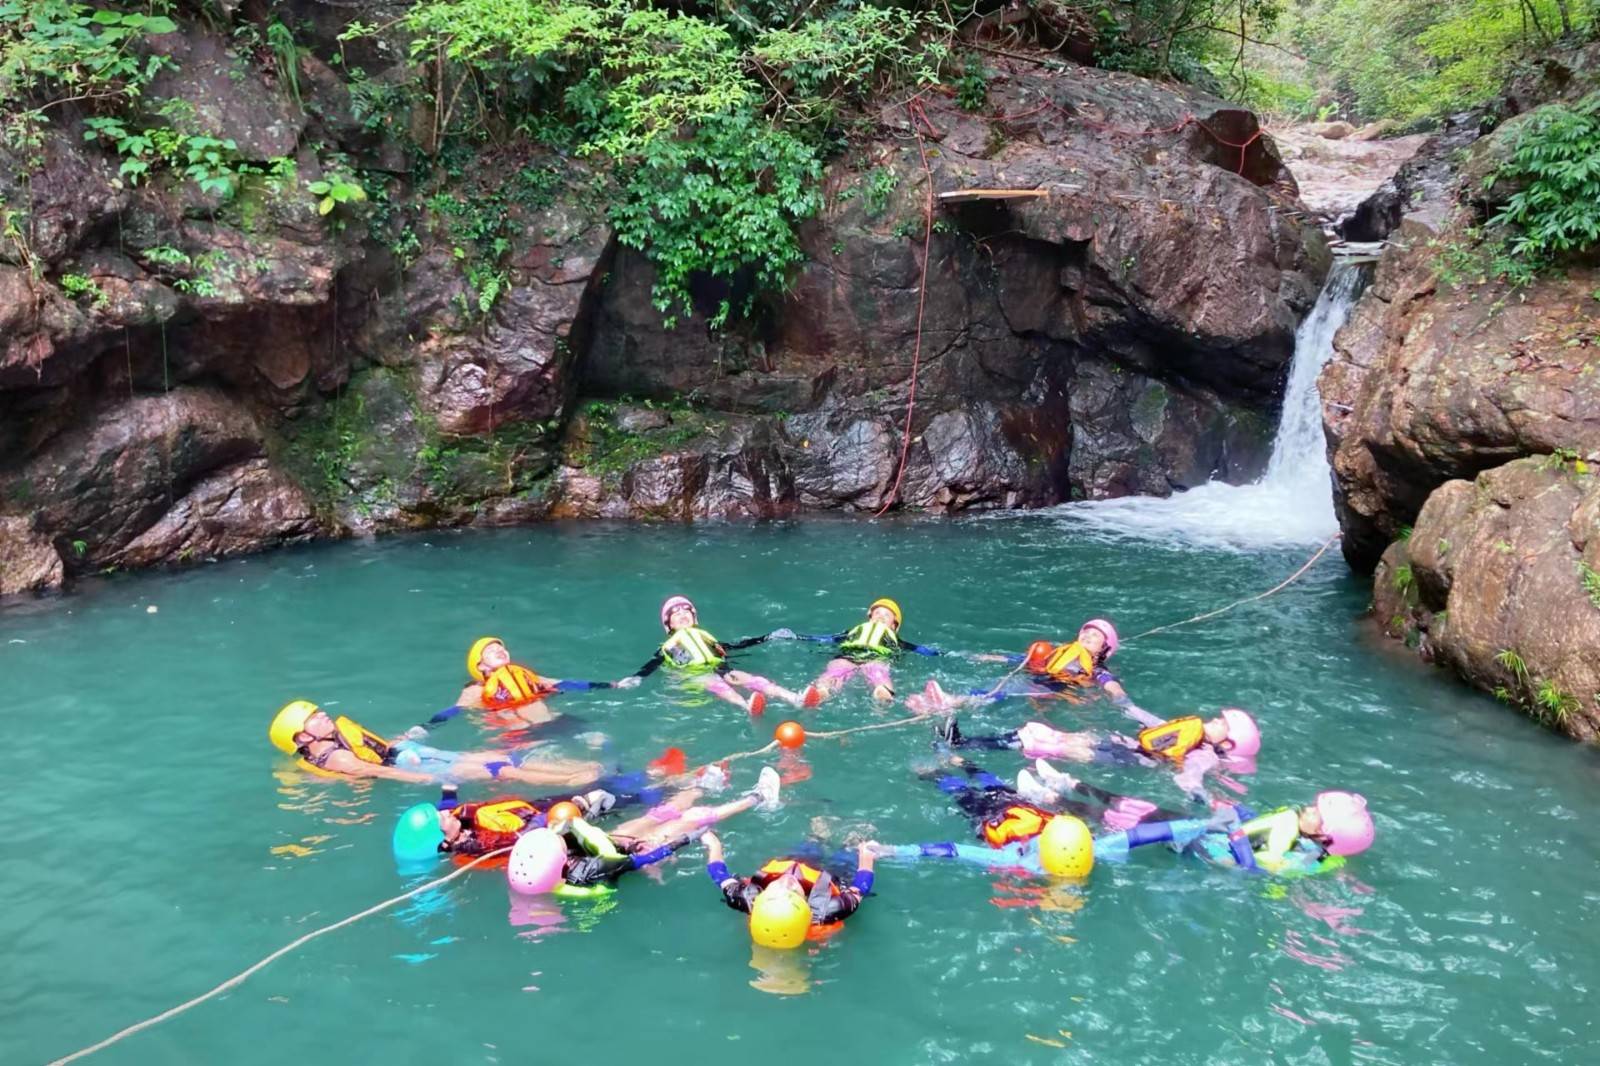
(1291, 505)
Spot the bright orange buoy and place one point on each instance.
(564, 811)
(791, 734)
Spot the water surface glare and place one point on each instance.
(160, 845)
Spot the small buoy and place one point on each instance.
(564, 811)
(152, 609)
(790, 734)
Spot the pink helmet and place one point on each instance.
(1345, 822)
(1107, 630)
(672, 604)
(1243, 734)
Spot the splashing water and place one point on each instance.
(1291, 504)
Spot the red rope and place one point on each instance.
(918, 118)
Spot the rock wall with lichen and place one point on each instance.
(186, 375)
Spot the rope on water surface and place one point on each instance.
(1279, 587)
(239, 979)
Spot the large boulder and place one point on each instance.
(1500, 581)
(1438, 377)
(156, 479)
(28, 561)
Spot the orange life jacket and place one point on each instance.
(1015, 824)
(512, 686)
(1173, 740)
(1071, 663)
(778, 867)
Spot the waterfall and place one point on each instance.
(1292, 504)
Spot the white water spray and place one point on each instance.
(1292, 504)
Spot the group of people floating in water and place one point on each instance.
(1041, 823)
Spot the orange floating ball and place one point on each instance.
(791, 734)
(564, 811)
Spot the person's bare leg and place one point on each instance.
(561, 773)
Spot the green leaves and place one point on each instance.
(1556, 161)
(332, 193)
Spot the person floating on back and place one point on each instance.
(787, 900)
(1066, 671)
(500, 685)
(867, 649)
(702, 661)
(1190, 746)
(342, 746)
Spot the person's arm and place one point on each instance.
(840, 907)
(1114, 688)
(345, 763)
(1133, 710)
(919, 649)
(633, 679)
(1196, 764)
(977, 854)
(747, 642)
(570, 685)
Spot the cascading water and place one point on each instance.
(1292, 503)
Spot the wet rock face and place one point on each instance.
(28, 561)
(1430, 383)
(1500, 581)
(223, 374)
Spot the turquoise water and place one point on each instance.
(159, 845)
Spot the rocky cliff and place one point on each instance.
(186, 374)
(1462, 411)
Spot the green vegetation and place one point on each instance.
(607, 449)
(1555, 166)
(81, 286)
(1409, 60)
(1591, 583)
(1512, 661)
(1404, 579)
(53, 52)
(1553, 704)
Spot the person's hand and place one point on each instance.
(869, 848)
(632, 681)
(987, 657)
(782, 634)
(416, 732)
(709, 839)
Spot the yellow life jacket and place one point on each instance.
(1071, 662)
(357, 740)
(1016, 823)
(871, 638)
(511, 686)
(1173, 740)
(504, 816)
(809, 875)
(691, 648)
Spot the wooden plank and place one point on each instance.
(964, 195)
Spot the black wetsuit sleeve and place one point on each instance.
(648, 668)
(739, 893)
(747, 642)
(837, 908)
(594, 870)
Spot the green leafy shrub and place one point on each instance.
(1557, 160)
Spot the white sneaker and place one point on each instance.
(1031, 789)
(766, 790)
(1059, 780)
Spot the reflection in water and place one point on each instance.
(782, 972)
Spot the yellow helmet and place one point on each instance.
(289, 721)
(476, 654)
(780, 915)
(1066, 847)
(894, 609)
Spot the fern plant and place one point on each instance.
(1557, 159)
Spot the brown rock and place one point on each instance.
(1429, 383)
(243, 508)
(1503, 565)
(28, 561)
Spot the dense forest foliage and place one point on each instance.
(712, 122)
